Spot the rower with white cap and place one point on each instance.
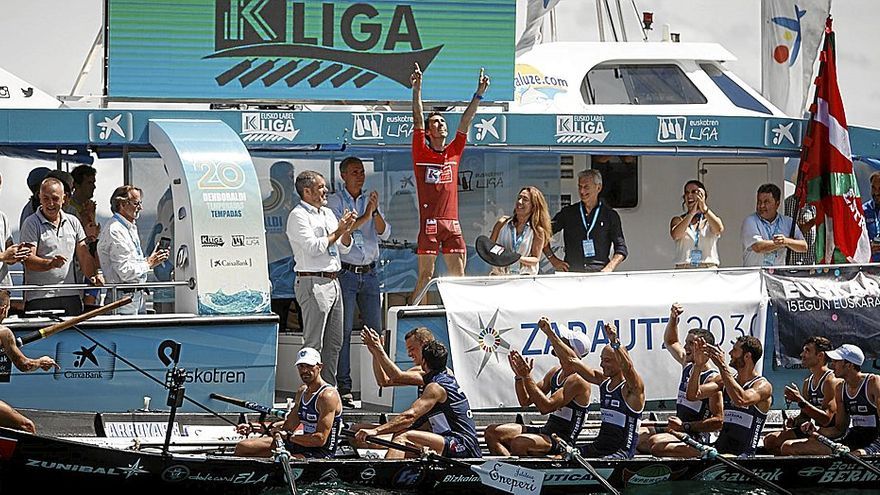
(858, 417)
(562, 394)
(317, 408)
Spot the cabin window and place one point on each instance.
(734, 92)
(620, 179)
(655, 84)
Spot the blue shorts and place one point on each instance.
(555, 448)
(308, 452)
(456, 448)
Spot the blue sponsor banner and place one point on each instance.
(231, 359)
(308, 50)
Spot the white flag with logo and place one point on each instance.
(535, 13)
(790, 42)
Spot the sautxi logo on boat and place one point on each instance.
(370, 40)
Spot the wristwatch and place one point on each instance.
(686, 427)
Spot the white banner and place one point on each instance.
(790, 42)
(535, 12)
(489, 317)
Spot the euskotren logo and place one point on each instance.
(276, 42)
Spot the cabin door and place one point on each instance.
(732, 185)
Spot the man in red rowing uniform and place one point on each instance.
(621, 393)
(858, 394)
(442, 405)
(564, 396)
(747, 395)
(318, 408)
(435, 166)
(819, 405)
(694, 418)
(9, 417)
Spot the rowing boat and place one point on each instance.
(28, 460)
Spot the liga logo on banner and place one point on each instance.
(488, 320)
(330, 50)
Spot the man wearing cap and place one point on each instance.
(621, 393)
(858, 417)
(562, 395)
(816, 399)
(695, 418)
(358, 278)
(442, 406)
(317, 238)
(317, 407)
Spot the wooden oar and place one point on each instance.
(499, 475)
(64, 325)
(253, 406)
(282, 457)
(843, 451)
(710, 453)
(573, 453)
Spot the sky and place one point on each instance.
(46, 41)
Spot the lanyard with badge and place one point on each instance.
(587, 244)
(331, 248)
(771, 229)
(517, 241)
(356, 235)
(696, 254)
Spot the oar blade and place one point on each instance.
(509, 478)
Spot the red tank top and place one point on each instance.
(436, 176)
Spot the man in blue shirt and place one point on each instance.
(359, 278)
(872, 217)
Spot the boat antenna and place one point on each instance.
(600, 20)
(611, 20)
(620, 18)
(143, 372)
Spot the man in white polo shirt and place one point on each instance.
(766, 234)
(316, 239)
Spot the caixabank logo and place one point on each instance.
(281, 42)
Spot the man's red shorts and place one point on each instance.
(440, 235)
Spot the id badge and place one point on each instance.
(431, 226)
(770, 259)
(331, 250)
(358, 238)
(589, 248)
(696, 256)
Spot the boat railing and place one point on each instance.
(114, 291)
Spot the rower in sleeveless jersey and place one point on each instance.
(816, 401)
(562, 395)
(858, 419)
(747, 395)
(442, 405)
(621, 393)
(696, 418)
(318, 409)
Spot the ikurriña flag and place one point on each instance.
(826, 179)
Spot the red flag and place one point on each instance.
(826, 179)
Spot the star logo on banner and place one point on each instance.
(133, 469)
(486, 127)
(111, 126)
(488, 340)
(781, 132)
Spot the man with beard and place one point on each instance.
(317, 408)
(621, 393)
(819, 405)
(443, 405)
(694, 418)
(564, 396)
(747, 395)
(858, 417)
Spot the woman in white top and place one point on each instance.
(696, 232)
(525, 232)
